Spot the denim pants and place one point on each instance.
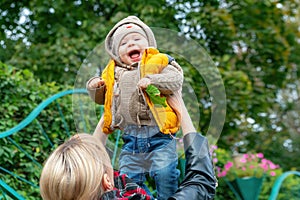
(148, 151)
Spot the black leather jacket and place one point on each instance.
(199, 182)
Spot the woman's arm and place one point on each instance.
(199, 182)
(98, 133)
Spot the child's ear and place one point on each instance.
(107, 183)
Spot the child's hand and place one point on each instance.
(96, 83)
(143, 83)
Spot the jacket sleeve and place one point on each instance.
(169, 80)
(96, 94)
(199, 182)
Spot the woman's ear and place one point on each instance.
(107, 183)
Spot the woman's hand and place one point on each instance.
(177, 103)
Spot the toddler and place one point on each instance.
(148, 128)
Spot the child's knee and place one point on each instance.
(167, 174)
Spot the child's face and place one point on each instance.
(132, 47)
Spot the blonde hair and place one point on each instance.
(75, 170)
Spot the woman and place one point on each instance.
(80, 169)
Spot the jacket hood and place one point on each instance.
(128, 20)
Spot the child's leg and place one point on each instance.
(166, 180)
(132, 158)
(163, 159)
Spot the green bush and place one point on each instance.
(20, 93)
(290, 188)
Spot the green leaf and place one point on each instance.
(154, 95)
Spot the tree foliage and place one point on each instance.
(53, 38)
(254, 44)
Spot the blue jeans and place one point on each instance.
(148, 151)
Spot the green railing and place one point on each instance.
(12, 172)
(278, 183)
(15, 173)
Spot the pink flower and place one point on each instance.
(272, 173)
(264, 166)
(212, 150)
(228, 165)
(246, 156)
(273, 166)
(222, 174)
(214, 147)
(264, 161)
(260, 155)
(243, 160)
(243, 165)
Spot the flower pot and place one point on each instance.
(181, 167)
(247, 188)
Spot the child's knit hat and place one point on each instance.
(130, 24)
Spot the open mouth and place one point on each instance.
(134, 54)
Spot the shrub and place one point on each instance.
(20, 93)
